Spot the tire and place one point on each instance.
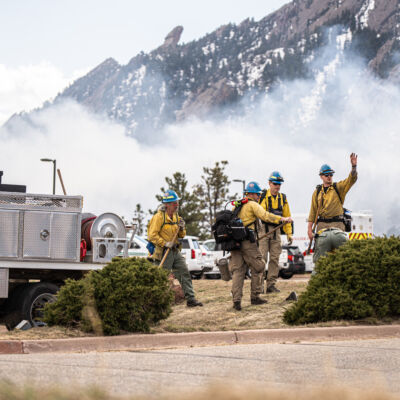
(28, 301)
(212, 276)
(285, 274)
(196, 275)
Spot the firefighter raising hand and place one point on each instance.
(353, 159)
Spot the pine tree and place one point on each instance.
(189, 205)
(212, 193)
(138, 219)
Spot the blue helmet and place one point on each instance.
(326, 169)
(170, 196)
(253, 187)
(276, 177)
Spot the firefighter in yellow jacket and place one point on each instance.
(161, 233)
(276, 203)
(249, 254)
(327, 209)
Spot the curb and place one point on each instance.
(176, 340)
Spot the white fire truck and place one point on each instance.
(45, 239)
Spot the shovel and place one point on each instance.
(168, 250)
(271, 231)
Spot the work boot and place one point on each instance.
(237, 306)
(258, 301)
(194, 303)
(272, 289)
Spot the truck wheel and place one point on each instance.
(29, 303)
(285, 274)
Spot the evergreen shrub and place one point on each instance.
(127, 295)
(361, 279)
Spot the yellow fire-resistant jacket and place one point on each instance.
(252, 210)
(161, 230)
(287, 228)
(331, 205)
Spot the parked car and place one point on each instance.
(196, 262)
(213, 255)
(295, 259)
(137, 247)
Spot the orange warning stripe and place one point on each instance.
(359, 236)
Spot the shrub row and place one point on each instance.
(360, 279)
(127, 295)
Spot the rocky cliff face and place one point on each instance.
(176, 81)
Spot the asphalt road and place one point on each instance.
(362, 364)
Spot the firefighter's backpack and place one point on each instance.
(229, 230)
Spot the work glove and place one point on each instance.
(181, 224)
(169, 245)
(289, 239)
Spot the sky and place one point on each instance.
(75, 34)
(47, 44)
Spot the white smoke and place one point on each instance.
(27, 87)
(302, 125)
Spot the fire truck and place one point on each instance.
(45, 239)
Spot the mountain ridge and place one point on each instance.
(177, 81)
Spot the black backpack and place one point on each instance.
(346, 213)
(229, 230)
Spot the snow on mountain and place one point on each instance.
(174, 82)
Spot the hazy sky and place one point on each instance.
(77, 34)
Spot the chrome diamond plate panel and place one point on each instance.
(37, 232)
(9, 227)
(51, 235)
(65, 236)
(26, 201)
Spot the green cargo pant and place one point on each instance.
(248, 255)
(273, 246)
(176, 263)
(328, 240)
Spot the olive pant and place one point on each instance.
(273, 246)
(248, 255)
(328, 240)
(176, 263)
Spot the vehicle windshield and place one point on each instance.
(195, 244)
(294, 250)
(209, 246)
(143, 240)
(185, 244)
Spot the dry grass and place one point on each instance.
(10, 391)
(216, 315)
(46, 332)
